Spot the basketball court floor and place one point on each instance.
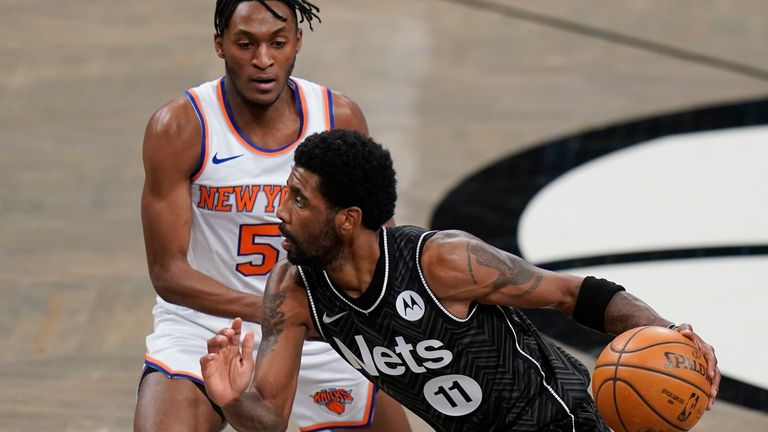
(450, 86)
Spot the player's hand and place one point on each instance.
(713, 372)
(226, 370)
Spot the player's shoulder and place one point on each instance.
(285, 288)
(285, 276)
(172, 139)
(347, 114)
(173, 115)
(443, 247)
(344, 106)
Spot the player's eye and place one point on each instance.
(279, 43)
(244, 45)
(300, 201)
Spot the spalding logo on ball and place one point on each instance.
(651, 379)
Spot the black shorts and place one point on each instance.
(586, 417)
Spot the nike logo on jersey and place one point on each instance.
(217, 161)
(329, 319)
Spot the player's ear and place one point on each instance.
(347, 219)
(218, 45)
(299, 38)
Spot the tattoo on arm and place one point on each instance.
(274, 318)
(469, 263)
(626, 311)
(511, 270)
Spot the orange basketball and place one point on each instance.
(651, 379)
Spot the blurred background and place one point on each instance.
(592, 136)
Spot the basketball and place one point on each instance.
(651, 379)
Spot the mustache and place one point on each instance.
(284, 231)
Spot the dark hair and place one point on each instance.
(300, 8)
(353, 170)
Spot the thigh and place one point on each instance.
(173, 404)
(389, 415)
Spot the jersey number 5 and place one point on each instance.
(249, 244)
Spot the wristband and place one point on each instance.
(593, 299)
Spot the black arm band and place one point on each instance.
(594, 296)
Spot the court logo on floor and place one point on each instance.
(671, 206)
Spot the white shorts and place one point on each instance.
(330, 392)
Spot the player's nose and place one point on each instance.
(261, 58)
(282, 213)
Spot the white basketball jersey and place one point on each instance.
(236, 192)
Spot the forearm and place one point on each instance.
(249, 413)
(185, 286)
(626, 311)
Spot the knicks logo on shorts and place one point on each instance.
(334, 399)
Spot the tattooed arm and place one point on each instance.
(464, 269)
(258, 396)
(461, 269)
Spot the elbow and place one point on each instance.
(256, 418)
(278, 426)
(270, 422)
(164, 279)
(271, 425)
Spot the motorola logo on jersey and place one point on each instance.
(410, 305)
(398, 359)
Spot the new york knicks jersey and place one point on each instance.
(234, 239)
(237, 189)
(490, 371)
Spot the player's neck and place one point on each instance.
(353, 271)
(278, 122)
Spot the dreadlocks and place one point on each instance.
(301, 9)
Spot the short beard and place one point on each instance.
(323, 252)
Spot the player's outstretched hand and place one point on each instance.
(713, 372)
(226, 370)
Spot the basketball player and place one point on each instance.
(431, 317)
(216, 160)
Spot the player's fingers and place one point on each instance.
(237, 325)
(216, 343)
(237, 328)
(713, 373)
(226, 332)
(207, 359)
(248, 343)
(714, 389)
(686, 330)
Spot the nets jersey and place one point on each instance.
(490, 371)
(236, 191)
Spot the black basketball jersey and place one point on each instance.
(490, 371)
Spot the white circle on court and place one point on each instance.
(410, 305)
(453, 395)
